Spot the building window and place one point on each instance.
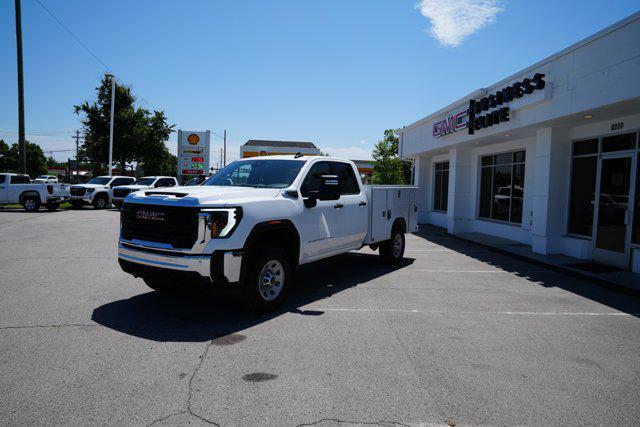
(502, 186)
(584, 165)
(441, 187)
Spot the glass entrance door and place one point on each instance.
(613, 215)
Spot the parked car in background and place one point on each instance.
(247, 228)
(119, 193)
(195, 181)
(97, 191)
(18, 188)
(49, 179)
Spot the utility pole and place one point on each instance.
(77, 157)
(224, 163)
(220, 165)
(113, 105)
(21, 139)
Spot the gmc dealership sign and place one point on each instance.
(452, 123)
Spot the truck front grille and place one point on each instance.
(121, 192)
(174, 225)
(77, 191)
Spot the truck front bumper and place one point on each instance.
(221, 266)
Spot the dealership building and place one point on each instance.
(547, 157)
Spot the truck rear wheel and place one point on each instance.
(392, 250)
(31, 204)
(268, 280)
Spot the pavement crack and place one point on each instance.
(166, 417)
(190, 393)
(366, 423)
(66, 325)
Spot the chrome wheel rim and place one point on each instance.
(30, 204)
(397, 245)
(271, 280)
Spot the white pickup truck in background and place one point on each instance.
(97, 191)
(18, 188)
(248, 227)
(119, 193)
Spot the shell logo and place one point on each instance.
(193, 139)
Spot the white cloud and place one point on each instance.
(454, 20)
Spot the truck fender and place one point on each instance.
(28, 193)
(400, 222)
(281, 232)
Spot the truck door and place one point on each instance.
(352, 215)
(3, 189)
(320, 222)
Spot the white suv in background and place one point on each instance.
(118, 194)
(48, 179)
(97, 191)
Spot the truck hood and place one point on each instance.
(88, 186)
(203, 195)
(133, 187)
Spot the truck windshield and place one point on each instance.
(100, 180)
(257, 173)
(145, 181)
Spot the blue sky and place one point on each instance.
(334, 72)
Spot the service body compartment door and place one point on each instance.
(380, 223)
(413, 213)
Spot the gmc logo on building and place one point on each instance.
(450, 124)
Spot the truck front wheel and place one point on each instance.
(392, 250)
(100, 201)
(268, 280)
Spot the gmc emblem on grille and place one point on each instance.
(150, 215)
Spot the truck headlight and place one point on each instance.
(223, 221)
(90, 190)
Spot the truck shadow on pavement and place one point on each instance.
(198, 317)
(616, 298)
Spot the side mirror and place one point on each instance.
(311, 201)
(329, 189)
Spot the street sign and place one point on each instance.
(193, 152)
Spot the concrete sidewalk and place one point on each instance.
(617, 278)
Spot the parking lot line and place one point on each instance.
(506, 313)
(482, 271)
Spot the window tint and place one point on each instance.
(165, 182)
(257, 173)
(2, 178)
(583, 189)
(20, 179)
(589, 146)
(502, 186)
(314, 178)
(346, 178)
(626, 141)
(122, 181)
(441, 187)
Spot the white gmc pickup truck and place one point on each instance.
(248, 227)
(18, 188)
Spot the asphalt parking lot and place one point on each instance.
(457, 334)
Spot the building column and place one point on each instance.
(551, 163)
(460, 209)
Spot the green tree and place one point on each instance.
(388, 168)
(4, 156)
(138, 134)
(10, 160)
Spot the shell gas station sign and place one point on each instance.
(193, 152)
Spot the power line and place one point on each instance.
(74, 36)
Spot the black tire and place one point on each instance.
(100, 201)
(160, 286)
(31, 204)
(392, 250)
(76, 205)
(262, 299)
(52, 206)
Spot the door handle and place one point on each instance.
(362, 204)
(338, 205)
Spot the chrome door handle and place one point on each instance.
(338, 205)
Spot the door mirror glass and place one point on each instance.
(311, 201)
(329, 188)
